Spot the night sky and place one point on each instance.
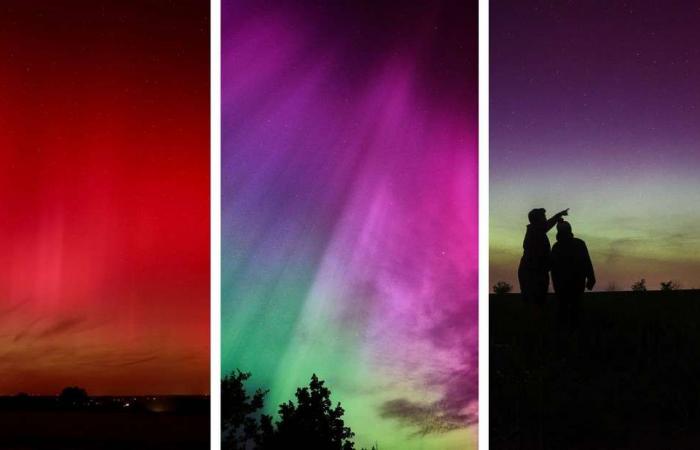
(104, 191)
(349, 208)
(596, 106)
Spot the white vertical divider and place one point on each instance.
(215, 176)
(483, 225)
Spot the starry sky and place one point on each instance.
(104, 192)
(596, 106)
(349, 209)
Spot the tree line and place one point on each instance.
(503, 287)
(312, 422)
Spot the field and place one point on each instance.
(39, 428)
(628, 377)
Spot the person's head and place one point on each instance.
(537, 216)
(564, 229)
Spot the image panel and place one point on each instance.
(594, 205)
(104, 188)
(349, 224)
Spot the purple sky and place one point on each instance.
(595, 106)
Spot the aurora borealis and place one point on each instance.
(104, 189)
(349, 210)
(595, 106)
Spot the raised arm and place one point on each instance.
(555, 218)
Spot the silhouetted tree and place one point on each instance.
(239, 426)
(502, 287)
(310, 424)
(669, 285)
(73, 396)
(639, 286)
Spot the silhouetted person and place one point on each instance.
(572, 273)
(533, 272)
(533, 276)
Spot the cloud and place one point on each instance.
(134, 362)
(618, 249)
(21, 335)
(450, 330)
(61, 326)
(433, 418)
(12, 308)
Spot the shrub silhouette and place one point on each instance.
(669, 285)
(238, 423)
(502, 287)
(73, 396)
(639, 286)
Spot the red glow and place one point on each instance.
(104, 190)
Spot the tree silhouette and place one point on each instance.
(669, 285)
(639, 286)
(310, 424)
(73, 396)
(502, 287)
(239, 426)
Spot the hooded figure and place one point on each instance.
(533, 272)
(572, 271)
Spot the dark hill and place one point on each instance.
(627, 377)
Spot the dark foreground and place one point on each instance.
(627, 378)
(146, 423)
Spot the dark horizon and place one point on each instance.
(604, 291)
(29, 394)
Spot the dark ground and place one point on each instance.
(628, 378)
(40, 425)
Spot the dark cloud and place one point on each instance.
(135, 361)
(115, 359)
(432, 418)
(619, 248)
(61, 326)
(21, 335)
(453, 328)
(12, 308)
(26, 331)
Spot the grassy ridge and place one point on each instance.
(628, 377)
(37, 423)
